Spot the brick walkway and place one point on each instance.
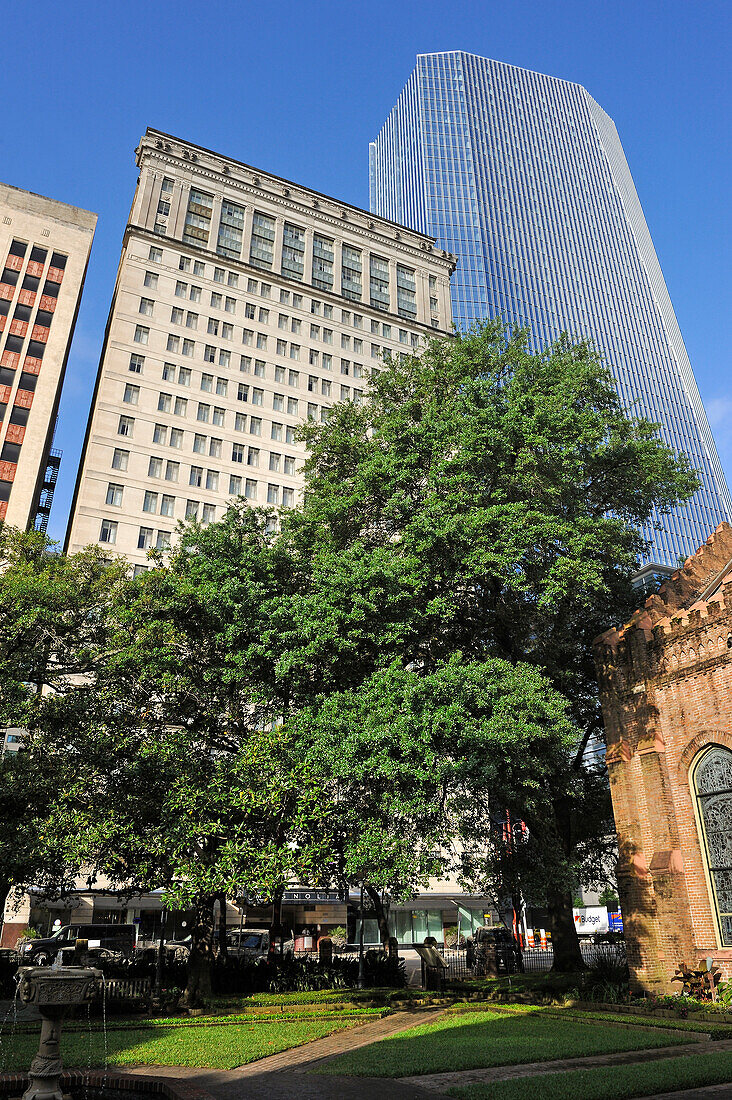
(441, 1082)
(285, 1075)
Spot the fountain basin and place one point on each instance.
(43, 986)
(85, 1085)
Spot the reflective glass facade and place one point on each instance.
(523, 177)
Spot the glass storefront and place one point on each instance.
(414, 925)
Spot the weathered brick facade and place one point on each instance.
(666, 688)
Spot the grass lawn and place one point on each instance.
(618, 1083)
(218, 1047)
(493, 1038)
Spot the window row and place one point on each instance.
(220, 385)
(362, 276)
(286, 297)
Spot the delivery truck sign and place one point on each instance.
(591, 920)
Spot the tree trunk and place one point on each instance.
(223, 951)
(198, 977)
(275, 928)
(565, 941)
(381, 917)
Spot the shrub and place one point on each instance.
(339, 936)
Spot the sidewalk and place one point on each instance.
(285, 1076)
(441, 1082)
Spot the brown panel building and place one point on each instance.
(44, 251)
(666, 687)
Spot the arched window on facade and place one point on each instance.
(713, 786)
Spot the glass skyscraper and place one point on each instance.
(523, 177)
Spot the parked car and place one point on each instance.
(250, 943)
(254, 943)
(116, 939)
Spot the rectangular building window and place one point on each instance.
(150, 502)
(136, 363)
(144, 538)
(234, 485)
(181, 406)
(231, 230)
(379, 283)
(255, 425)
(108, 531)
(250, 489)
(142, 334)
(131, 395)
(160, 434)
(261, 253)
(125, 426)
(293, 251)
(120, 459)
(114, 494)
(167, 505)
(322, 262)
(198, 218)
(351, 271)
(406, 292)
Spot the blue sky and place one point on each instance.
(299, 89)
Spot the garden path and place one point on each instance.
(441, 1082)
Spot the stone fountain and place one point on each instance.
(53, 992)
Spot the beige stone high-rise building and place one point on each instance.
(243, 304)
(44, 251)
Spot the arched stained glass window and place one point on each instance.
(713, 784)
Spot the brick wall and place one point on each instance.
(666, 689)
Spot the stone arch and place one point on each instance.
(706, 737)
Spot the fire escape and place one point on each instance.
(45, 499)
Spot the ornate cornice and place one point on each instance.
(222, 173)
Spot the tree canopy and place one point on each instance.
(352, 693)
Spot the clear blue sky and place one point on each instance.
(300, 88)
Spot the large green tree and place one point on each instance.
(52, 624)
(485, 501)
(160, 716)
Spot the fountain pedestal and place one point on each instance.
(53, 992)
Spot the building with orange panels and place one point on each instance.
(44, 251)
(666, 688)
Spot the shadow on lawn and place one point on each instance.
(495, 1037)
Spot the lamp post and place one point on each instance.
(361, 981)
